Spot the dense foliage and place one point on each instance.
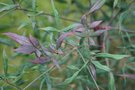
(67, 44)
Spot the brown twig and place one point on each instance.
(47, 14)
(6, 81)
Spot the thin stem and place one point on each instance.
(38, 78)
(88, 69)
(47, 14)
(6, 81)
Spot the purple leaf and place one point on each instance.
(62, 37)
(56, 63)
(25, 49)
(33, 41)
(19, 39)
(97, 5)
(101, 29)
(95, 24)
(93, 70)
(53, 50)
(130, 76)
(92, 42)
(99, 32)
(41, 60)
(38, 53)
(80, 30)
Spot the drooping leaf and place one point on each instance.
(97, 5)
(19, 39)
(26, 49)
(95, 24)
(100, 66)
(62, 37)
(40, 60)
(113, 56)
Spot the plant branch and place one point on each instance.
(47, 14)
(38, 78)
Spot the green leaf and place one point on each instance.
(7, 7)
(97, 5)
(34, 4)
(72, 67)
(42, 83)
(6, 42)
(68, 28)
(70, 79)
(115, 3)
(5, 63)
(100, 66)
(50, 29)
(111, 82)
(113, 56)
(56, 14)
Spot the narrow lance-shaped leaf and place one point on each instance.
(95, 24)
(111, 82)
(26, 49)
(56, 14)
(62, 37)
(113, 56)
(72, 67)
(100, 66)
(130, 76)
(7, 7)
(97, 5)
(53, 50)
(99, 32)
(19, 39)
(5, 63)
(70, 79)
(93, 70)
(56, 63)
(70, 27)
(6, 42)
(40, 60)
(49, 29)
(34, 41)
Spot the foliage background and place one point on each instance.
(26, 22)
